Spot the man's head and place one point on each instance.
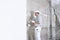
(36, 13)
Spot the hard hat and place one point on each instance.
(36, 11)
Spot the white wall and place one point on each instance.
(12, 19)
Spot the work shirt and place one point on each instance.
(38, 28)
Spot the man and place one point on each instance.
(31, 29)
(37, 24)
(34, 29)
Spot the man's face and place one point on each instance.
(36, 13)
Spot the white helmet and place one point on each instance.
(36, 11)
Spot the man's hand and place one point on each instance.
(33, 23)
